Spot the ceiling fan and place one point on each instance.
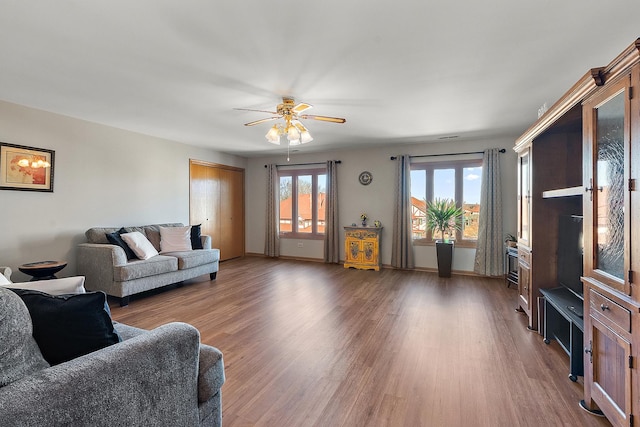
(291, 113)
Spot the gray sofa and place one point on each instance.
(107, 268)
(162, 377)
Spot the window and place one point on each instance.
(302, 203)
(459, 181)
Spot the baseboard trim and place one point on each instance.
(386, 266)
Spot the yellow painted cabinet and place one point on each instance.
(362, 248)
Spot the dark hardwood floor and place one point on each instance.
(309, 344)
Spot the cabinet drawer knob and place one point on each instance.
(604, 307)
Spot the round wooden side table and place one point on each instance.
(42, 270)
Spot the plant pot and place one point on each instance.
(444, 253)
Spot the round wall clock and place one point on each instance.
(365, 178)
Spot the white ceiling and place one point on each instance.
(400, 72)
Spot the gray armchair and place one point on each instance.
(159, 377)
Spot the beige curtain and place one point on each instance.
(489, 250)
(402, 244)
(272, 223)
(332, 231)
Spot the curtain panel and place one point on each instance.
(332, 231)
(489, 260)
(272, 223)
(402, 238)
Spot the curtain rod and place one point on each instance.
(306, 164)
(450, 154)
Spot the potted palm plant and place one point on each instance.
(445, 217)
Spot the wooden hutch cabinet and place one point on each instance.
(549, 186)
(362, 247)
(611, 238)
(598, 121)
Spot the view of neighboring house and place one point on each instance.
(305, 214)
(419, 220)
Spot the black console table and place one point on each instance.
(511, 266)
(563, 321)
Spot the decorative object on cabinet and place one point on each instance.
(365, 178)
(363, 218)
(598, 119)
(26, 168)
(510, 240)
(362, 248)
(377, 224)
(444, 216)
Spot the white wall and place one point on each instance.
(111, 177)
(376, 199)
(103, 177)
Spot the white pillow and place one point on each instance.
(173, 239)
(139, 244)
(66, 285)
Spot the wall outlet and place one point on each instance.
(300, 244)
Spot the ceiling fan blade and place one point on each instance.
(298, 124)
(303, 106)
(257, 122)
(323, 118)
(257, 111)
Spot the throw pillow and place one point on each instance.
(116, 239)
(196, 236)
(139, 244)
(4, 280)
(20, 355)
(66, 285)
(174, 239)
(69, 326)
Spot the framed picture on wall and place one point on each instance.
(26, 168)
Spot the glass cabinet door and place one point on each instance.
(524, 197)
(607, 196)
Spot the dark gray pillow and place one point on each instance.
(69, 326)
(196, 241)
(19, 355)
(115, 239)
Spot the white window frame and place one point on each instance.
(294, 174)
(458, 166)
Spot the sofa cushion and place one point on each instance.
(153, 234)
(115, 238)
(69, 326)
(66, 285)
(175, 239)
(98, 234)
(190, 259)
(150, 267)
(139, 244)
(19, 353)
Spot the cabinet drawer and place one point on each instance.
(610, 310)
(524, 256)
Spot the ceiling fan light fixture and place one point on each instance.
(292, 128)
(292, 133)
(305, 137)
(273, 136)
